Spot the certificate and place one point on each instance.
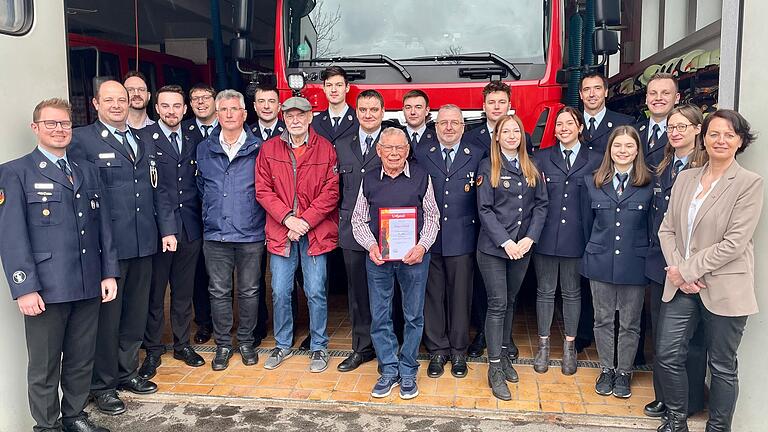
(397, 232)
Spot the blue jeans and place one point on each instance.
(283, 271)
(413, 284)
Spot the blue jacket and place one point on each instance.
(511, 211)
(176, 177)
(228, 193)
(597, 141)
(617, 229)
(455, 194)
(138, 210)
(56, 236)
(563, 233)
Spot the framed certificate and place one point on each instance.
(397, 232)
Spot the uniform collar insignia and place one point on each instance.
(104, 133)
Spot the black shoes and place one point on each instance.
(582, 343)
(512, 350)
(304, 345)
(569, 364)
(510, 374)
(202, 335)
(109, 403)
(459, 365)
(604, 384)
(436, 366)
(354, 361)
(477, 346)
(541, 361)
(496, 380)
(221, 359)
(675, 422)
(149, 367)
(655, 409)
(248, 355)
(189, 357)
(621, 385)
(138, 385)
(82, 424)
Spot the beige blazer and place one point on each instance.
(722, 252)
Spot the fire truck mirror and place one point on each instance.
(607, 13)
(301, 8)
(241, 48)
(606, 42)
(242, 18)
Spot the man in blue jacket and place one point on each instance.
(233, 227)
(61, 264)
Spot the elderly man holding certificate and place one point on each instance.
(396, 220)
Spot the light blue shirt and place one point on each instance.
(575, 150)
(167, 133)
(683, 159)
(200, 125)
(455, 149)
(662, 128)
(362, 135)
(52, 157)
(598, 118)
(616, 179)
(131, 139)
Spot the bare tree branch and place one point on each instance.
(325, 22)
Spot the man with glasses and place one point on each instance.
(233, 227)
(200, 127)
(357, 155)
(452, 164)
(297, 183)
(397, 184)
(138, 93)
(128, 168)
(60, 267)
(176, 179)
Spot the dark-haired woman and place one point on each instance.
(683, 151)
(616, 216)
(561, 245)
(706, 237)
(512, 206)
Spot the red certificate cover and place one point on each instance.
(397, 232)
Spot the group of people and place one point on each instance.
(98, 221)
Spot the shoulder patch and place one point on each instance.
(2, 196)
(19, 277)
(479, 180)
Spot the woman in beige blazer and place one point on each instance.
(706, 238)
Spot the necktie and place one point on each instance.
(622, 179)
(591, 128)
(676, 168)
(126, 144)
(368, 142)
(175, 142)
(336, 121)
(65, 168)
(267, 133)
(414, 138)
(206, 130)
(567, 154)
(448, 159)
(653, 139)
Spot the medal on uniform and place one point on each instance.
(506, 184)
(153, 174)
(479, 180)
(93, 205)
(471, 176)
(466, 187)
(46, 212)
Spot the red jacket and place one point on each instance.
(308, 187)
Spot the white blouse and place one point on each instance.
(693, 210)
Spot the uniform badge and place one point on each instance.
(349, 117)
(2, 196)
(429, 135)
(153, 174)
(191, 127)
(280, 128)
(506, 184)
(433, 149)
(479, 180)
(642, 128)
(104, 133)
(159, 153)
(43, 164)
(19, 277)
(482, 131)
(610, 125)
(466, 187)
(93, 204)
(155, 135)
(466, 150)
(46, 212)
(106, 155)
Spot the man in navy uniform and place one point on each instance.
(598, 120)
(661, 96)
(128, 168)
(452, 165)
(339, 119)
(266, 103)
(176, 151)
(61, 264)
(416, 111)
(201, 100)
(357, 155)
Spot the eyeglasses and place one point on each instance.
(682, 127)
(233, 110)
(445, 123)
(136, 89)
(391, 148)
(201, 98)
(51, 124)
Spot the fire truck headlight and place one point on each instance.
(296, 81)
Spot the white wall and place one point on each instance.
(34, 68)
(753, 399)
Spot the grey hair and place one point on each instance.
(393, 131)
(230, 94)
(448, 107)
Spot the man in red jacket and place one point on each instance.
(297, 183)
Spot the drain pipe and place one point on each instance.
(218, 46)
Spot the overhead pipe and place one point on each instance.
(218, 47)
